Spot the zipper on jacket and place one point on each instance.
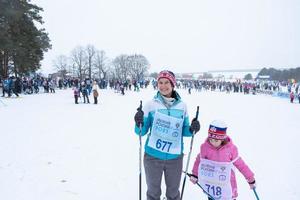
(169, 113)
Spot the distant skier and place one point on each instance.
(95, 89)
(76, 94)
(1, 85)
(122, 89)
(299, 97)
(13, 86)
(167, 120)
(5, 87)
(52, 86)
(214, 166)
(190, 90)
(85, 92)
(292, 96)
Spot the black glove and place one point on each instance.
(139, 117)
(195, 126)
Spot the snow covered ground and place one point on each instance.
(52, 149)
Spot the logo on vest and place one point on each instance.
(222, 178)
(175, 134)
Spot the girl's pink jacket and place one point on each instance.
(226, 153)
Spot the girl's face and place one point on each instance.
(165, 87)
(215, 143)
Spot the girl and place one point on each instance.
(167, 119)
(76, 94)
(213, 168)
(292, 96)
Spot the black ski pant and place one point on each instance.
(3, 92)
(76, 99)
(16, 93)
(87, 98)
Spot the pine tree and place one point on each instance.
(22, 44)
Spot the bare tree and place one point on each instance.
(138, 66)
(101, 64)
(91, 62)
(61, 65)
(121, 67)
(90, 52)
(78, 57)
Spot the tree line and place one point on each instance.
(22, 44)
(281, 75)
(89, 62)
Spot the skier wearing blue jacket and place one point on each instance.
(6, 87)
(166, 119)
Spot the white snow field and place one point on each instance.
(52, 149)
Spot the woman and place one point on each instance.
(95, 90)
(166, 119)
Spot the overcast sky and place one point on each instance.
(181, 35)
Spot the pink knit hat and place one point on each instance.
(168, 75)
(217, 130)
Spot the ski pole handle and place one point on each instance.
(189, 174)
(141, 105)
(192, 175)
(197, 112)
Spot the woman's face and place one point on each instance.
(165, 87)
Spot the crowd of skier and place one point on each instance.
(277, 88)
(246, 87)
(14, 86)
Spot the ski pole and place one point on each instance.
(189, 156)
(140, 157)
(254, 190)
(190, 175)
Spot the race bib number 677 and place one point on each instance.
(166, 134)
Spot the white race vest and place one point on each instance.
(166, 134)
(214, 177)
